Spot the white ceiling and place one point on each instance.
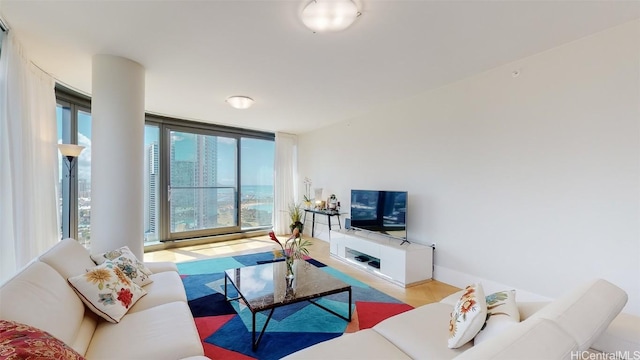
(197, 53)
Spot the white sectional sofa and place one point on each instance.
(571, 327)
(158, 326)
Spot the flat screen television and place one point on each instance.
(380, 211)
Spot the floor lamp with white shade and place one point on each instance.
(70, 152)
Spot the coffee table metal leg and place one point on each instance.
(349, 304)
(333, 312)
(226, 296)
(253, 332)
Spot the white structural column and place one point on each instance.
(117, 155)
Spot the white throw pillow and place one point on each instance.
(128, 263)
(468, 316)
(502, 313)
(107, 291)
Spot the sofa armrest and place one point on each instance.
(622, 335)
(586, 311)
(161, 266)
(530, 339)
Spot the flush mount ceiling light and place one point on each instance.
(240, 102)
(329, 15)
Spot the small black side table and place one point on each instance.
(327, 213)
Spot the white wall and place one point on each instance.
(531, 182)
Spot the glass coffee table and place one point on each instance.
(265, 287)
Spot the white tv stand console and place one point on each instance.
(405, 265)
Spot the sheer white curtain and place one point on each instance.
(28, 160)
(286, 189)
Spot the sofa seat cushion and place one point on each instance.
(20, 341)
(85, 332)
(422, 333)
(533, 339)
(166, 287)
(364, 344)
(600, 299)
(161, 266)
(40, 297)
(165, 331)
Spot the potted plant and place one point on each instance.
(295, 215)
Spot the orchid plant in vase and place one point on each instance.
(307, 193)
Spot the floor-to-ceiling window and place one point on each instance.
(199, 179)
(202, 184)
(218, 180)
(73, 115)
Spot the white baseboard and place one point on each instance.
(460, 279)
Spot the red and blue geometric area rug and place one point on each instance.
(225, 327)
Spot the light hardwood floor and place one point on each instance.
(425, 293)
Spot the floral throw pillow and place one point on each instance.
(502, 312)
(107, 291)
(468, 316)
(20, 341)
(128, 263)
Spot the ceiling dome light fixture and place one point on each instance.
(329, 15)
(240, 102)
